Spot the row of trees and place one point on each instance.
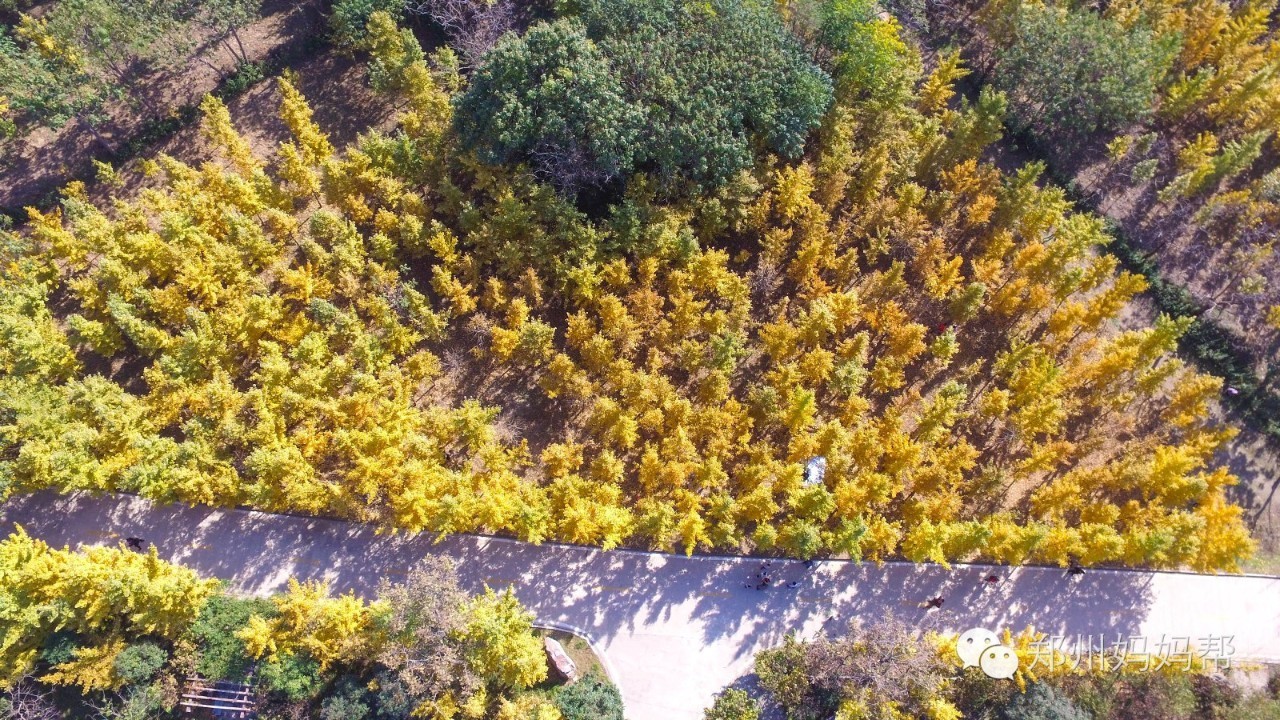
(941, 332)
(125, 629)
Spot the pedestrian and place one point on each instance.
(808, 564)
(135, 543)
(934, 603)
(1076, 570)
(991, 579)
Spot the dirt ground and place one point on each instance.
(335, 86)
(1209, 269)
(35, 165)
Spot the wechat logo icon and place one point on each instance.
(979, 647)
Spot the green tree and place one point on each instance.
(291, 676)
(139, 662)
(551, 98)
(681, 90)
(349, 18)
(348, 699)
(1073, 72)
(222, 653)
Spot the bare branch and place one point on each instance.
(27, 700)
(473, 26)
(569, 167)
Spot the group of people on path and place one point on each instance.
(763, 579)
(1074, 571)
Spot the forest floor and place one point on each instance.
(1186, 255)
(35, 166)
(674, 630)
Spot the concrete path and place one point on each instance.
(673, 630)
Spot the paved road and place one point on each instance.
(672, 630)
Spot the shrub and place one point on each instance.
(1215, 696)
(878, 669)
(222, 654)
(734, 704)
(591, 698)
(242, 79)
(1155, 696)
(1256, 707)
(348, 700)
(59, 648)
(138, 703)
(293, 677)
(1040, 702)
(139, 663)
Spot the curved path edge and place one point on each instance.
(671, 630)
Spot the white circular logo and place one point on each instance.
(971, 644)
(999, 662)
(981, 648)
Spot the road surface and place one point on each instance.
(672, 630)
